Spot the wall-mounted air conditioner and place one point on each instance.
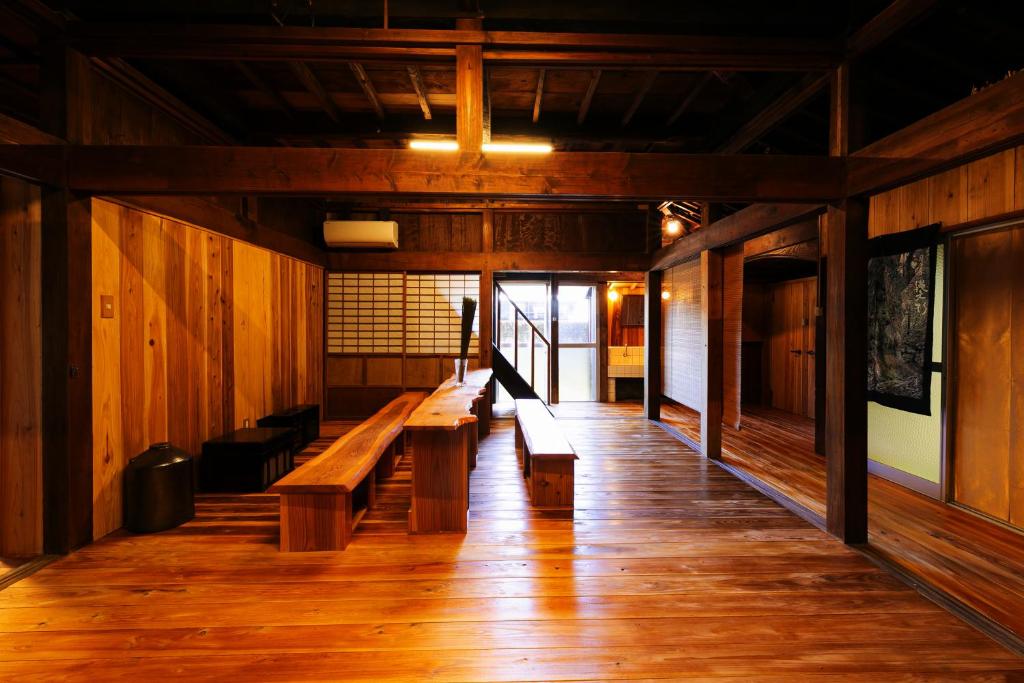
(361, 234)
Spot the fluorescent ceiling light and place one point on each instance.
(435, 145)
(520, 147)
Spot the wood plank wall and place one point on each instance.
(617, 334)
(21, 478)
(206, 333)
(985, 188)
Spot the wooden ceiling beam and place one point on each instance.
(531, 261)
(772, 115)
(260, 84)
(304, 171)
(316, 88)
(588, 96)
(645, 87)
(416, 78)
(893, 19)
(310, 44)
(886, 24)
(689, 98)
(367, 85)
(539, 95)
(753, 221)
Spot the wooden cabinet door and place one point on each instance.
(987, 354)
(792, 344)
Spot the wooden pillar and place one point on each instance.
(712, 328)
(67, 370)
(66, 263)
(469, 97)
(652, 344)
(732, 331)
(486, 311)
(553, 365)
(846, 344)
(602, 341)
(820, 350)
(487, 229)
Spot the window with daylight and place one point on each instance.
(366, 311)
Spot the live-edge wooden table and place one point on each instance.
(441, 430)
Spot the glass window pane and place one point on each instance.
(577, 374)
(576, 319)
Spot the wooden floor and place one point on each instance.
(671, 569)
(976, 562)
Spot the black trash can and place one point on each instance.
(158, 489)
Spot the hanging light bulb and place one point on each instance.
(613, 295)
(665, 295)
(672, 225)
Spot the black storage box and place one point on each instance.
(158, 489)
(304, 418)
(247, 460)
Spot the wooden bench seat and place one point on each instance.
(547, 457)
(323, 500)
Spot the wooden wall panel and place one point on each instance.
(618, 335)
(21, 487)
(985, 188)
(586, 233)
(207, 332)
(105, 114)
(434, 231)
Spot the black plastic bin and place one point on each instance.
(158, 489)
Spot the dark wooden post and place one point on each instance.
(485, 311)
(553, 338)
(602, 341)
(846, 344)
(652, 344)
(712, 327)
(67, 370)
(66, 260)
(469, 97)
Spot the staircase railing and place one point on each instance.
(535, 334)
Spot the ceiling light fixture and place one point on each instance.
(665, 295)
(519, 147)
(435, 145)
(672, 225)
(613, 295)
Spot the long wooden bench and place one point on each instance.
(323, 500)
(547, 457)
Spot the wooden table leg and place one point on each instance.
(473, 433)
(440, 481)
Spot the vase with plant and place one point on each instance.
(468, 313)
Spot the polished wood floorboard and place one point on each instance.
(672, 569)
(973, 560)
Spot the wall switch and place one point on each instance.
(106, 305)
